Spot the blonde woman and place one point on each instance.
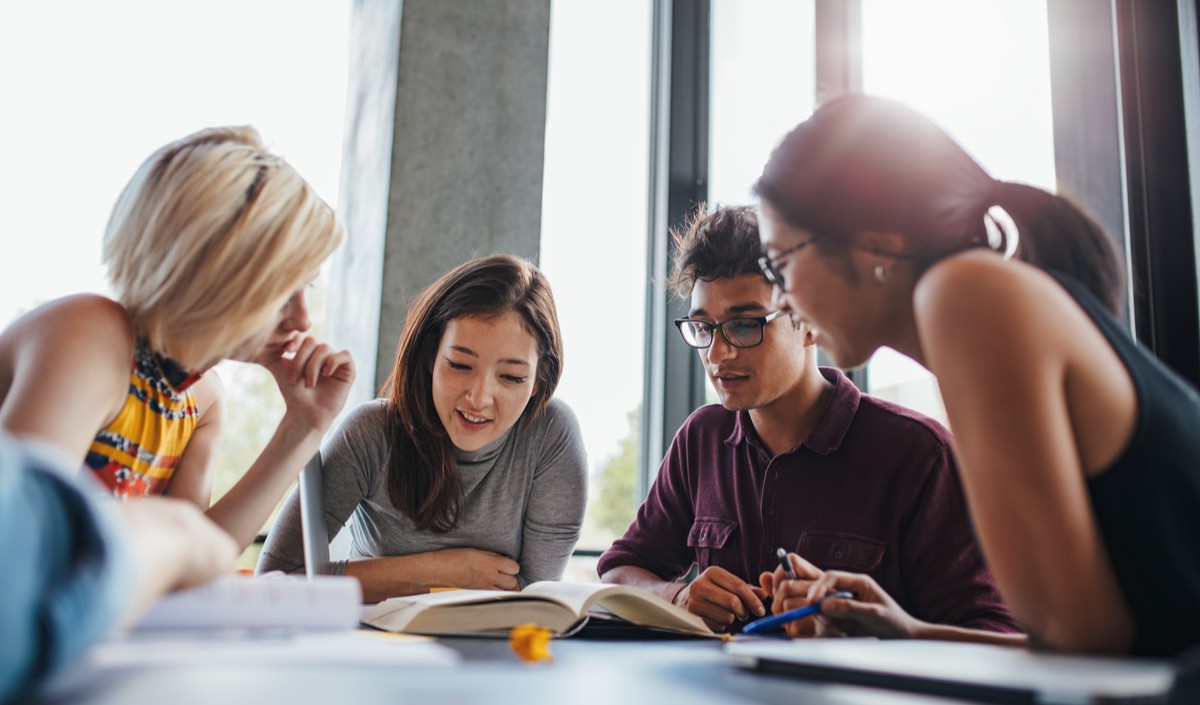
(209, 250)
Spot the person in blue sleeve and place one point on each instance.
(78, 565)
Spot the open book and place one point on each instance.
(563, 608)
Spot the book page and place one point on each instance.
(576, 596)
(469, 612)
(552, 604)
(632, 604)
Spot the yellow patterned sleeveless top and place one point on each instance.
(138, 452)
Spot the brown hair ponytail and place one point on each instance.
(1057, 235)
(863, 163)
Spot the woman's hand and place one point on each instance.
(475, 569)
(173, 546)
(313, 379)
(872, 612)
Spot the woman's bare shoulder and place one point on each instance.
(978, 288)
(74, 328)
(77, 314)
(77, 348)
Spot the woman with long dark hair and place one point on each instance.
(1077, 448)
(466, 473)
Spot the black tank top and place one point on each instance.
(1147, 504)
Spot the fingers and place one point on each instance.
(791, 594)
(309, 354)
(803, 568)
(748, 600)
(786, 589)
(871, 611)
(506, 569)
(211, 551)
(494, 570)
(862, 586)
(722, 598)
(505, 582)
(339, 366)
(767, 582)
(311, 361)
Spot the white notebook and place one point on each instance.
(273, 602)
(973, 671)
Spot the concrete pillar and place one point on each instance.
(443, 160)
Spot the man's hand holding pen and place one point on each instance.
(789, 586)
(722, 599)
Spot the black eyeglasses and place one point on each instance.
(770, 265)
(738, 332)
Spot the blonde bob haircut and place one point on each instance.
(209, 239)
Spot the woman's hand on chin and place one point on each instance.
(314, 381)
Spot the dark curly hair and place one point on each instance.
(714, 245)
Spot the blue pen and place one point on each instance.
(766, 624)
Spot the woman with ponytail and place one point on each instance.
(1077, 449)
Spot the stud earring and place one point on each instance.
(882, 274)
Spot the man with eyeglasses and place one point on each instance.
(793, 457)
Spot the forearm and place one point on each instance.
(390, 576)
(945, 632)
(641, 578)
(172, 546)
(245, 507)
(546, 547)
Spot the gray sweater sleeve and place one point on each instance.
(352, 459)
(557, 498)
(526, 503)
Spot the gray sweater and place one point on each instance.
(524, 496)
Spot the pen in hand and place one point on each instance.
(768, 623)
(786, 564)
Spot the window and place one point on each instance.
(594, 224)
(90, 95)
(981, 69)
(762, 83)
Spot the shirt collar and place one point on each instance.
(487, 452)
(161, 370)
(826, 437)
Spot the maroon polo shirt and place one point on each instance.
(873, 489)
